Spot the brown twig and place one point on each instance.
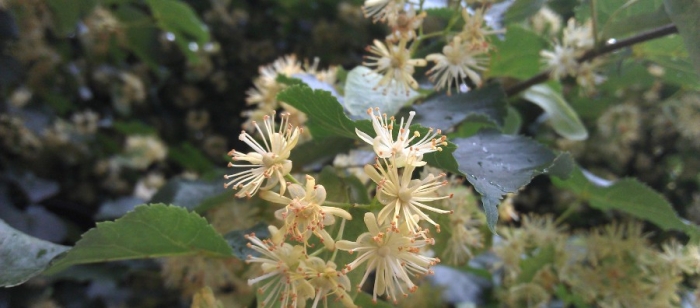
(592, 54)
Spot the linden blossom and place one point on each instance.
(385, 146)
(394, 256)
(270, 163)
(457, 62)
(404, 197)
(395, 63)
(279, 262)
(304, 214)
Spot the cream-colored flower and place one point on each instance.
(394, 63)
(405, 24)
(401, 149)
(561, 61)
(475, 30)
(270, 163)
(458, 61)
(546, 21)
(304, 214)
(587, 75)
(403, 197)
(86, 122)
(265, 88)
(279, 263)
(327, 280)
(141, 151)
(382, 10)
(393, 256)
(578, 37)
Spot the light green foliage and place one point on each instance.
(150, 231)
(326, 116)
(178, 18)
(564, 119)
(670, 53)
(68, 12)
(517, 56)
(522, 9)
(22, 256)
(191, 158)
(684, 14)
(614, 17)
(141, 34)
(629, 196)
(361, 92)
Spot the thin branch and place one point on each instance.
(594, 53)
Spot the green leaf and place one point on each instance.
(518, 55)
(353, 229)
(362, 92)
(307, 153)
(684, 14)
(191, 158)
(326, 118)
(629, 196)
(69, 12)
(325, 114)
(523, 9)
(613, 13)
(443, 13)
(22, 256)
(670, 53)
(513, 122)
(178, 18)
(637, 23)
(444, 112)
(150, 231)
(141, 35)
(336, 190)
(497, 164)
(564, 119)
(239, 244)
(471, 126)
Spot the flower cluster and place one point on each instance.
(395, 242)
(563, 61)
(465, 55)
(291, 276)
(263, 95)
(611, 266)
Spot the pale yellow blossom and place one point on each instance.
(395, 64)
(304, 214)
(269, 162)
(393, 256)
(401, 148)
(458, 61)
